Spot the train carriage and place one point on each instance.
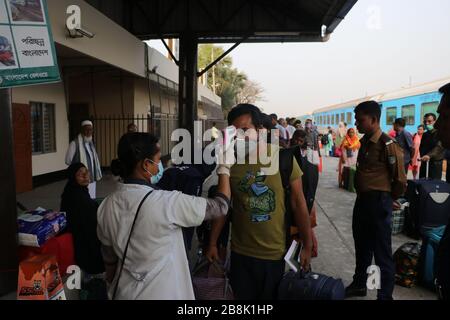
(409, 103)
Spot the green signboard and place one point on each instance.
(27, 50)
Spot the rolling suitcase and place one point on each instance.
(429, 205)
(443, 266)
(427, 262)
(310, 286)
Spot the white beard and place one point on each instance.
(87, 139)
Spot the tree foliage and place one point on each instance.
(232, 85)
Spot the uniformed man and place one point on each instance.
(380, 178)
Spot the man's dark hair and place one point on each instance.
(214, 124)
(245, 108)
(274, 116)
(445, 89)
(266, 121)
(400, 122)
(430, 115)
(370, 108)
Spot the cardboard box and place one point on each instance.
(39, 279)
(37, 227)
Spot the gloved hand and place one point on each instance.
(226, 152)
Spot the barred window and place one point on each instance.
(43, 127)
(391, 115)
(349, 118)
(408, 113)
(429, 107)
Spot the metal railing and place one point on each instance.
(109, 129)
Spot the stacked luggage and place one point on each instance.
(427, 218)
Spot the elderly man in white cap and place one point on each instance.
(82, 150)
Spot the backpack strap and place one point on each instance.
(286, 158)
(285, 166)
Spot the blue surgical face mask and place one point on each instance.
(155, 178)
(430, 127)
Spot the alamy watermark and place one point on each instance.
(232, 146)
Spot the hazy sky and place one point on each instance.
(377, 48)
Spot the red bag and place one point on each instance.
(60, 246)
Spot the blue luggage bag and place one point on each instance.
(431, 238)
(310, 286)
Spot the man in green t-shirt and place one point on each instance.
(258, 234)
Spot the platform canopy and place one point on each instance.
(219, 21)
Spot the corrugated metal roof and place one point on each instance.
(405, 92)
(228, 20)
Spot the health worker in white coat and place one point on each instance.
(155, 264)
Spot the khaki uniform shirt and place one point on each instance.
(380, 166)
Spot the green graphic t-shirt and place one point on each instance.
(258, 228)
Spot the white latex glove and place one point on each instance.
(226, 157)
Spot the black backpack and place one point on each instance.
(324, 140)
(310, 181)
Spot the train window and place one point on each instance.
(391, 115)
(332, 119)
(342, 117)
(349, 118)
(337, 119)
(429, 107)
(408, 113)
(328, 120)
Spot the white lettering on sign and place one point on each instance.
(74, 19)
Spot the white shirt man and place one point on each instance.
(82, 150)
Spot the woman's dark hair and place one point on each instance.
(132, 148)
(245, 108)
(421, 126)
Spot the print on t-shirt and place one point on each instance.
(261, 199)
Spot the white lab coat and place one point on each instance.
(156, 266)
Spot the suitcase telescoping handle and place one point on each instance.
(427, 168)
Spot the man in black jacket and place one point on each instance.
(431, 149)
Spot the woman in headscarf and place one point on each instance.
(340, 136)
(350, 146)
(81, 213)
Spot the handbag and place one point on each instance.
(128, 242)
(210, 281)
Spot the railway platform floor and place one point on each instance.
(334, 215)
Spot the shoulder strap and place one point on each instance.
(128, 242)
(285, 166)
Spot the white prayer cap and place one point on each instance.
(87, 123)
